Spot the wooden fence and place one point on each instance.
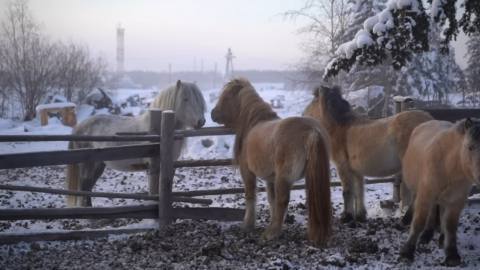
(160, 139)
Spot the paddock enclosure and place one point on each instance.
(156, 144)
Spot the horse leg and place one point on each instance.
(282, 197)
(432, 223)
(406, 198)
(250, 185)
(89, 173)
(271, 196)
(347, 186)
(359, 197)
(407, 217)
(449, 223)
(423, 204)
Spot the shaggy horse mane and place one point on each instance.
(168, 98)
(252, 111)
(335, 105)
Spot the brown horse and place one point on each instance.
(280, 151)
(440, 165)
(361, 147)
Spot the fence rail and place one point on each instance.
(22, 160)
(120, 137)
(137, 211)
(110, 195)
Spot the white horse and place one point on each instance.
(184, 98)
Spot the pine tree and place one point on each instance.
(473, 68)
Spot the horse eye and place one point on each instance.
(471, 147)
(185, 99)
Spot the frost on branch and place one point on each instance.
(397, 31)
(401, 29)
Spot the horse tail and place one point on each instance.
(317, 176)
(72, 179)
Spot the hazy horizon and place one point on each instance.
(183, 33)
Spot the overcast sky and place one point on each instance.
(181, 32)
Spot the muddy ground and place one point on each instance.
(188, 244)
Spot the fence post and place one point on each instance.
(166, 168)
(401, 104)
(154, 168)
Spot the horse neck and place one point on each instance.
(144, 120)
(250, 117)
(451, 147)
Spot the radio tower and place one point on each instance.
(229, 65)
(120, 49)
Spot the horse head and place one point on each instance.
(470, 153)
(328, 105)
(227, 109)
(189, 105)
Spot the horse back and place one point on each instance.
(403, 124)
(280, 144)
(431, 155)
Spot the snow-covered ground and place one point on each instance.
(206, 244)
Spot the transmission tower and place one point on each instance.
(229, 64)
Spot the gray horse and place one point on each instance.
(184, 98)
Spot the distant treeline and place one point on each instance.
(210, 79)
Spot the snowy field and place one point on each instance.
(190, 244)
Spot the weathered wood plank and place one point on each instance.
(102, 194)
(207, 131)
(154, 168)
(453, 115)
(23, 160)
(209, 213)
(77, 138)
(202, 163)
(138, 211)
(7, 239)
(166, 169)
(226, 191)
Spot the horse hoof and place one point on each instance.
(248, 227)
(346, 217)
(407, 253)
(361, 218)
(270, 234)
(453, 260)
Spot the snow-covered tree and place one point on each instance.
(401, 30)
(473, 69)
(361, 76)
(431, 75)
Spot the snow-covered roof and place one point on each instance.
(55, 105)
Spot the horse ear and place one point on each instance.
(179, 84)
(468, 123)
(316, 91)
(236, 89)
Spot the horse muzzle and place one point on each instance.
(215, 116)
(200, 123)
